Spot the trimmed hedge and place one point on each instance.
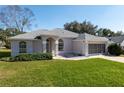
(32, 57)
(114, 49)
(22, 57)
(41, 56)
(5, 53)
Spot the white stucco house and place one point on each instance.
(58, 42)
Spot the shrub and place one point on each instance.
(114, 49)
(22, 57)
(4, 53)
(42, 56)
(31, 57)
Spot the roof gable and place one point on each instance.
(89, 37)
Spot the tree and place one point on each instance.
(73, 26)
(88, 27)
(105, 32)
(16, 17)
(12, 32)
(119, 33)
(84, 27)
(2, 37)
(5, 34)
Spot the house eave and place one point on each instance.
(21, 39)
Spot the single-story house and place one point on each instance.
(58, 42)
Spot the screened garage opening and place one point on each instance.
(96, 48)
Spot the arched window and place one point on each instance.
(22, 47)
(61, 45)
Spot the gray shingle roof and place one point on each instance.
(89, 37)
(55, 32)
(116, 39)
(64, 33)
(59, 33)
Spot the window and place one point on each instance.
(22, 47)
(61, 45)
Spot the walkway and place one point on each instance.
(118, 59)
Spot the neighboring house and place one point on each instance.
(118, 40)
(58, 42)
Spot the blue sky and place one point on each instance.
(49, 17)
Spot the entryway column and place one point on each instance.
(56, 47)
(44, 44)
(86, 48)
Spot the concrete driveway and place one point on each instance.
(113, 58)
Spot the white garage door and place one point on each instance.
(96, 48)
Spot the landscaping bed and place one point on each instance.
(5, 55)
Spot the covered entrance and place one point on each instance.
(96, 48)
(49, 45)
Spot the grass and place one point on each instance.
(90, 72)
(5, 52)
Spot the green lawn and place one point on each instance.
(90, 72)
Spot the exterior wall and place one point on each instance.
(37, 46)
(67, 45)
(15, 47)
(79, 47)
(29, 46)
(70, 45)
